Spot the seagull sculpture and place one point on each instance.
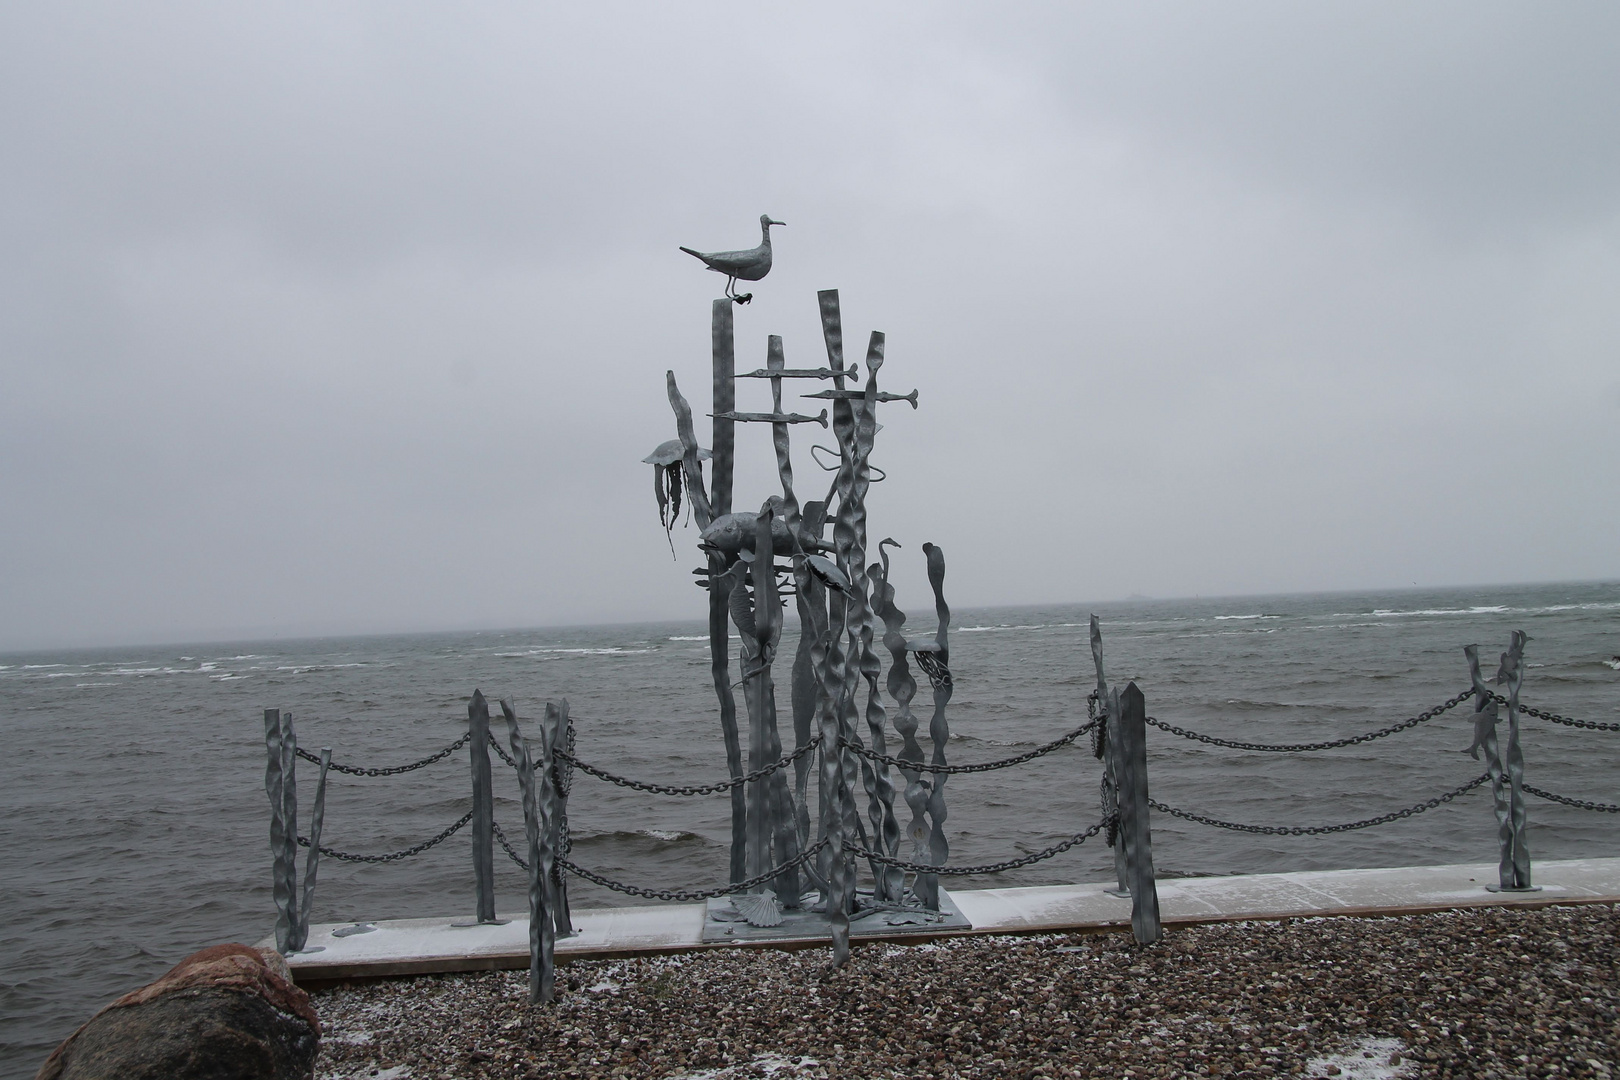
(749, 265)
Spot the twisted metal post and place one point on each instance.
(1504, 787)
(312, 861)
(280, 785)
(556, 728)
(837, 765)
(541, 931)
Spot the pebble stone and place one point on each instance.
(1485, 993)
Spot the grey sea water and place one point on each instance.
(136, 824)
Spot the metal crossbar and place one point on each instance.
(1316, 830)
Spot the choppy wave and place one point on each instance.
(614, 650)
(690, 637)
(995, 629)
(1224, 618)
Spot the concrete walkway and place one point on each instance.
(422, 946)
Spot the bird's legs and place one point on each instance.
(732, 295)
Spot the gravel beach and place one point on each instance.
(1483, 993)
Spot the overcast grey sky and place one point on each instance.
(329, 318)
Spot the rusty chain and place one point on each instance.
(1590, 725)
(1317, 830)
(983, 766)
(344, 856)
(1579, 804)
(987, 868)
(704, 789)
(689, 895)
(395, 770)
(1294, 748)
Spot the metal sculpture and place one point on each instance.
(749, 265)
(846, 608)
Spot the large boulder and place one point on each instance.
(229, 1012)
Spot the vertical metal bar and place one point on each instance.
(837, 791)
(720, 469)
(542, 933)
(1135, 833)
(312, 860)
(1485, 717)
(1511, 673)
(281, 871)
(939, 728)
(725, 401)
(559, 731)
(483, 798)
(1110, 778)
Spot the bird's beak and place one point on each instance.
(781, 223)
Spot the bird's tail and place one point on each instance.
(689, 251)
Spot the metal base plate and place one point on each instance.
(812, 925)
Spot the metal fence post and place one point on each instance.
(280, 784)
(1506, 769)
(556, 732)
(1127, 720)
(312, 861)
(483, 798)
(1110, 754)
(541, 932)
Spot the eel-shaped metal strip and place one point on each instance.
(939, 728)
(902, 687)
(1110, 778)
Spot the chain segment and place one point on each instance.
(510, 854)
(1590, 725)
(394, 770)
(689, 895)
(988, 868)
(706, 789)
(1294, 748)
(1579, 804)
(344, 856)
(983, 766)
(1317, 830)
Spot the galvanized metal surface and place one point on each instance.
(1127, 715)
(750, 264)
(483, 808)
